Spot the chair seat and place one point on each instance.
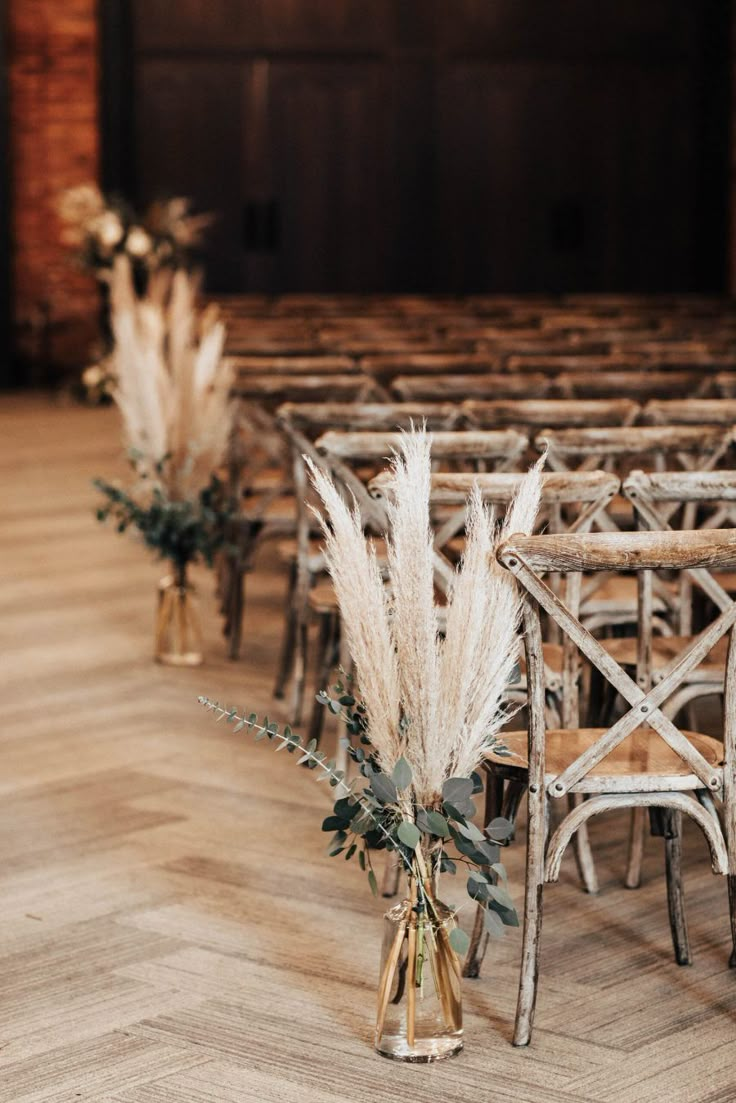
(666, 648)
(287, 551)
(621, 511)
(643, 762)
(322, 598)
(618, 593)
(727, 579)
(278, 513)
(553, 659)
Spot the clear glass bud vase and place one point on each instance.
(178, 639)
(420, 1015)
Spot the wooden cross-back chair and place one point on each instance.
(258, 474)
(385, 368)
(690, 411)
(568, 362)
(615, 447)
(702, 499)
(608, 601)
(641, 760)
(352, 460)
(639, 385)
(456, 388)
(553, 413)
(285, 366)
(302, 424)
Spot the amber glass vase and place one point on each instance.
(178, 639)
(420, 1016)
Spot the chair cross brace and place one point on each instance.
(644, 706)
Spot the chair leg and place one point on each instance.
(533, 890)
(582, 850)
(236, 605)
(732, 912)
(301, 641)
(479, 937)
(325, 660)
(288, 643)
(668, 825)
(675, 891)
(636, 848)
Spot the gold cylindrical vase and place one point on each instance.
(420, 1016)
(178, 635)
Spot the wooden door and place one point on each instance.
(190, 142)
(329, 142)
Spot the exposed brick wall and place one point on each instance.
(54, 138)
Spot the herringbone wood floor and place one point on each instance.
(171, 930)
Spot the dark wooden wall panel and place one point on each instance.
(423, 145)
(192, 144)
(271, 26)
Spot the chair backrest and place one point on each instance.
(553, 413)
(614, 446)
(529, 558)
(638, 385)
(561, 493)
(386, 368)
(270, 391)
(690, 411)
(352, 459)
(455, 388)
(293, 365)
(305, 421)
(570, 363)
(702, 499)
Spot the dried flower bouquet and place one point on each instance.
(173, 389)
(431, 704)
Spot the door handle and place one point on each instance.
(261, 226)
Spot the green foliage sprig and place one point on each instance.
(181, 531)
(376, 811)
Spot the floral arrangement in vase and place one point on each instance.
(167, 236)
(172, 387)
(430, 705)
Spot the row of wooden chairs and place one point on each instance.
(272, 514)
(351, 456)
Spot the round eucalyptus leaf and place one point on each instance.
(459, 941)
(409, 834)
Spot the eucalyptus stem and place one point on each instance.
(293, 741)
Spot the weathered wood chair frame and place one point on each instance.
(550, 413)
(257, 397)
(689, 790)
(456, 388)
(639, 385)
(655, 497)
(690, 411)
(614, 449)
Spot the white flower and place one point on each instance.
(93, 376)
(138, 243)
(108, 229)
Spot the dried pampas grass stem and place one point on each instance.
(172, 383)
(437, 700)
